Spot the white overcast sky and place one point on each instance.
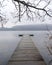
(9, 8)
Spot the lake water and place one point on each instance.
(9, 41)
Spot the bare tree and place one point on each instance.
(29, 8)
(7, 13)
(2, 17)
(3, 20)
(32, 8)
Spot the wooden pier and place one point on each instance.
(26, 53)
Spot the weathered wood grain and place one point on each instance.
(26, 54)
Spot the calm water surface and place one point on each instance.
(10, 39)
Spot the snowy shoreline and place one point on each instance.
(44, 45)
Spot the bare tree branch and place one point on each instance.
(19, 11)
(47, 4)
(29, 5)
(38, 2)
(3, 20)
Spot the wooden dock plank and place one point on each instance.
(26, 54)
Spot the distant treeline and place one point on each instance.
(38, 27)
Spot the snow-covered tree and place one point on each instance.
(3, 21)
(7, 12)
(19, 10)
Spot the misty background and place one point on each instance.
(40, 25)
(9, 12)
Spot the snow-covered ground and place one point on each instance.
(43, 41)
(10, 39)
